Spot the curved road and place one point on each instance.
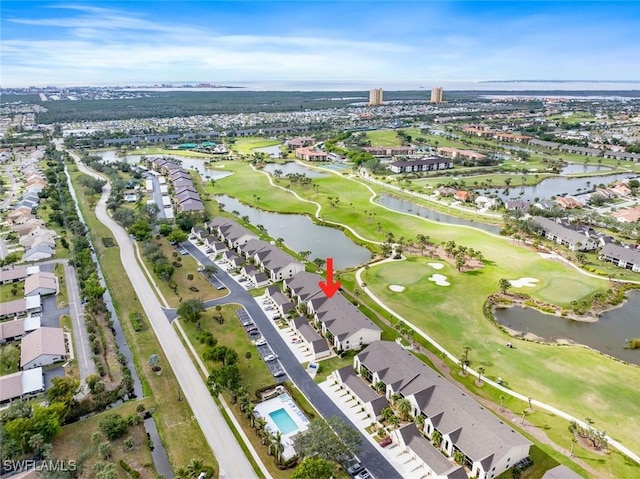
(231, 459)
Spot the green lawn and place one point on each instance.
(169, 152)
(181, 278)
(7, 291)
(548, 372)
(246, 145)
(62, 297)
(75, 440)
(384, 138)
(254, 371)
(9, 357)
(180, 434)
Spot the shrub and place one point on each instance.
(131, 471)
(113, 425)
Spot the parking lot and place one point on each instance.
(266, 353)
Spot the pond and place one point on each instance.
(609, 334)
(576, 168)
(404, 206)
(302, 234)
(549, 187)
(271, 151)
(292, 167)
(197, 164)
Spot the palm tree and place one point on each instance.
(380, 387)
(394, 421)
(195, 467)
(419, 420)
(480, 373)
(502, 398)
(404, 408)
(260, 424)
(249, 413)
(181, 473)
(278, 446)
(305, 255)
(319, 262)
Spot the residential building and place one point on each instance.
(341, 322)
(364, 395)
(310, 154)
(316, 345)
(20, 307)
(13, 274)
(21, 384)
(431, 163)
(627, 215)
(623, 256)
(230, 232)
(258, 278)
(462, 195)
(488, 446)
(38, 253)
(41, 283)
(568, 202)
(437, 94)
(571, 238)
(42, 347)
(284, 304)
(300, 142)
(455, 153)
(16, 328)
(376, 97)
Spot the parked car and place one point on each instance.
(364, 474)
(261, 342)
(355, 469)
(184, 252)
(386, 441)
(270, 357)
(296, 340)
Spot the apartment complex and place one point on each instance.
(375, 97)
(436, 94)
(454, 424)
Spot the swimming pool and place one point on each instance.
(283, 421)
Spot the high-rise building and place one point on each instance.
(436, 94)
(375, 96)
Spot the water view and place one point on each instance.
(292, 168)
(576, 168)
(555, 186)
(302, 234)
(197, 164)
(609, 334)
(271, 151)
(404, 206)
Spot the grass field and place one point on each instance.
(180, 434)
(75, 441)
(246, 145)
(9, 358)
(384, 138)
(255, 374)
(547, 373)
(180, 276)
(169, 152)
(62, 298)
(454, 316)
(6, 291)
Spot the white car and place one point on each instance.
(261, 342)
(271, 357)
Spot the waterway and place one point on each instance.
(404, 206)
(271, 151)
(554, 186)
(216, 172)
(302, 234)
(578, 168)
(608, 334)
(293, 168)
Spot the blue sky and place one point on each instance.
(376, 42)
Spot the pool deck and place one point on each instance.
(283, 401)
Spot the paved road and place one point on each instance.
(12, 191)
(86, 365)
(369, 455)
(231, 459)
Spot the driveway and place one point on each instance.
(50, 316)
(370, 457)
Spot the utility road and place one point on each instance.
(232, 462)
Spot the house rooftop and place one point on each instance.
(42, 341)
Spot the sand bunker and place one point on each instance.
(436, 265)
(219, 166)
(439, 279)
(396, 288)
(522, 282)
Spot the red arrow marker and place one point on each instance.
(329, 287)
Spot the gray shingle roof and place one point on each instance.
(628, 255)
(479, 434)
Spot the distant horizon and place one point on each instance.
(355, 86)
(47, 42)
